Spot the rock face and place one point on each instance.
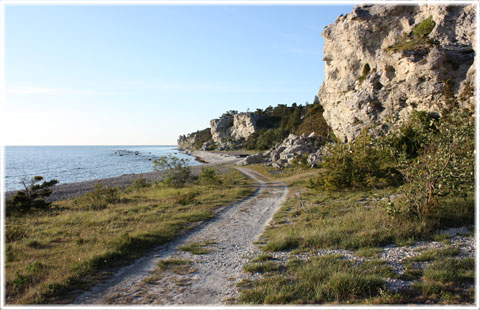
(292, 148)
(186, 142)
(229, 130)
(381, 66)
(220, 128)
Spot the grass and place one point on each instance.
(369, 252)
(358, 221)
(266, 266)
(431, 255)
(69, 247)
(178, 266)
(197, 248)
(322, 280)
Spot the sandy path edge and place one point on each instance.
(234, 230)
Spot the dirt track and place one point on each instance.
(210, 278)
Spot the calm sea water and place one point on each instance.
(80, 163)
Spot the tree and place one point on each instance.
(32, 197)
(177, 171)
(445, 165)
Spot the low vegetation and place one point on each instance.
(31, 198)
(74, 243)
(417, 40)
(197, 248)
(367, 194)
(276, 123)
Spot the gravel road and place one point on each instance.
(210, 278)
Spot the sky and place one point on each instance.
(145, 74)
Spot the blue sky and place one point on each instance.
(117, 75)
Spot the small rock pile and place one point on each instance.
(293, 148)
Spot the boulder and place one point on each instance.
(283, 154)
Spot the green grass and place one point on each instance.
(434, 254)
(354, 220)
(368, 252)
(77, 245)
(262, 258)
(322, 280)
(267, 266)
(197, 248)
(173, 265)
(444, 280)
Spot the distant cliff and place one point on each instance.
(384, 61)
(381, 63)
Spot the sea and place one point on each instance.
(70, 164)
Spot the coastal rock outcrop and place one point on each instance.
(384, 61)
(186, 142)
(293, 149)
(194, 140)
(229, 131)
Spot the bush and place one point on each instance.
(177, 171)
(445, 166)
(33, 197)
(412, 136)
(202, 136)
(99, 198)
(139, 184)
(209, 176)
(423, 29)
(360, 164)
(417, 40)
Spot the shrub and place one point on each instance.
(423, 29)
(360, 164)
(417, 40)
(408, 138)
(177, 171)
(209, 176)
(139, 184)
(202, 136)
(32, 197)
(444, 167)
(99, 198)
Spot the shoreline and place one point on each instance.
(71, 190)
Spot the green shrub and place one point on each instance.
(444, 167)
(177, 171)
(139, 184)
(423, 29)
(99, 198)
(360, 164)
(32, 197)
(411, 136)
(417, 40)
(202, 136)
(209, 176)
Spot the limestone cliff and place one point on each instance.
(384, 61)
(230, 129)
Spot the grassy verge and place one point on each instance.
(358, 221)
(49, 254)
